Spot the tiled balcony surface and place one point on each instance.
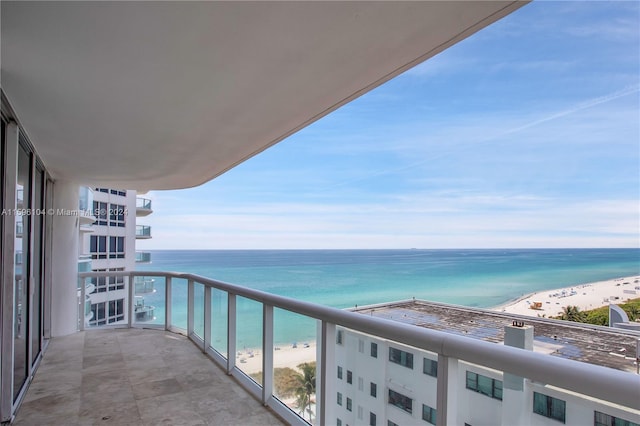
(135, 377)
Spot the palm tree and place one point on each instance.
(306, 387)
(633, 312)
(572, 313)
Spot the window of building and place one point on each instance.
(111, 283)
(107, 312)
(349, 377)
(339, 398)
(602, 419)
(116, 215)
(120, 192)
(430, 367)
(338, 422)
(339, 337)
(339, 372)
(360, 384)
(349, 404)
(360, 345)
(374, 390)
(400, 401)
(548, 406)
(100, 211)
(116, 247)
(105, 190)
(98, 246)
(484, 385)
(372, 419)
(403, 358)
(374, 350)
(360, 413)
(390, 423)
(428, 414)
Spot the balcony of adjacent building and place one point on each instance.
(86, 213)
(213, 353)
(143, 207)
(143, 257)
(143, 232)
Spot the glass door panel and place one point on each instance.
(21, 281)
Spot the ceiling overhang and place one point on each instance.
(164, 95)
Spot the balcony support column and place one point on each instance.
(231, 332)
(325, 369)
(64, 260)
(207, 318)
(167, 298)
(447, 389)
(132, 302)
(190, 306)
(267, 353)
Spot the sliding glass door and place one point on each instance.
(24, 198)
(21, 268)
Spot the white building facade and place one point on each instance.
(380, 382)
(108, 235)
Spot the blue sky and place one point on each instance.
(526, 134)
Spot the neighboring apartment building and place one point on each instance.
(371, 370)
(108, 234)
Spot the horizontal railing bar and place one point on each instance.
(593, 380)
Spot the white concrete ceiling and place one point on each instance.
(162, 95)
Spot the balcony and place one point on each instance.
(240, 330)
(143, 232)
(85, 209)
(134, 377)
(143, 207)
(144, 285)
(143, 257)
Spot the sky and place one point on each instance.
(524, 135)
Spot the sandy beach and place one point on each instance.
(250, 360)
(584, 296)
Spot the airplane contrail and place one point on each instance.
(581, 106)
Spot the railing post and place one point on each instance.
(231, 332)
(131, 299)
(83, 303)
(207, 318)
(190, 310)
(324, 370)
(446, 389)
(267, 353)
(167, 301)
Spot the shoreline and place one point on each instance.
(250, 360)
(585, 296)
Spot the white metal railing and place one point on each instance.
(143, 257)
(143, 231)
(606, 384)
(143, 203)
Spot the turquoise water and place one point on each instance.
(345, 278)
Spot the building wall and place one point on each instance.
(473, 408)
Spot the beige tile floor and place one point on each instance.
(135, 377)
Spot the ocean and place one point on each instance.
(345, 278)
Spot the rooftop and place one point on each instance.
(586, 343)
(135, 377)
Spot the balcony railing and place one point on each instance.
(211, 313)
(143, 257)
(143, 206)
(144, 285)
(85, 200)
(143, 231)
